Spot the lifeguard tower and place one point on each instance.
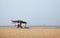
(19, 23)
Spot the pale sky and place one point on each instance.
(35, 12)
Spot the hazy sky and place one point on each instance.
(35, 12)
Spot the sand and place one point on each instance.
(32, 32)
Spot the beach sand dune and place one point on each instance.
(32, 32)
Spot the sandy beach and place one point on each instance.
(32, 32)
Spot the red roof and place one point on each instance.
(18, 21)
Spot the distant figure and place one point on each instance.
(19, 25)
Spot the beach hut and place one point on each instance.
(20, 22)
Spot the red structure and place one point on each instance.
(20, 22)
